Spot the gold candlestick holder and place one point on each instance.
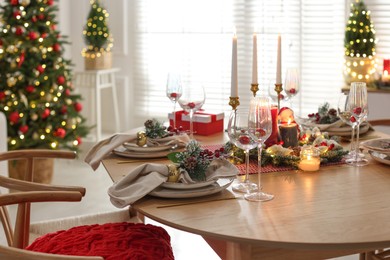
(254, 88)
(234, 102)
(278, 89)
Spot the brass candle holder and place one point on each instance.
(254, 88)
(278, 89)
(234, 102)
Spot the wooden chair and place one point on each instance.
(28, 192)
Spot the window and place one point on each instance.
(196, 37)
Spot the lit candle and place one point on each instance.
(234, 83)
(310, 159)
(385, 76)
(254, 60)
(289, 134)
(386, 65)
(279, 61)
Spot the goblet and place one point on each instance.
(358, 107)
(174, 91)
(292, 83)
(260, 127)
(239, 135)
(192, 99)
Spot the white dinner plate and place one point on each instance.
(380, 157)
(346, 130)
(145, 149)
(186, 186)
(122, 151)
(218, 186)
(381, 145)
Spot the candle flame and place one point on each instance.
(386, 73)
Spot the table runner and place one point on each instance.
(265, 169)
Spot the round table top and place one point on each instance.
(338, 207)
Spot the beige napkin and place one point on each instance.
(103, 148)
(145, 178)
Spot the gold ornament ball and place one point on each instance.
(11, 81)
(141, 138)
(24, 2)
(173, 173)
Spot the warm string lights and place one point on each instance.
(360, 63)
(36, 88)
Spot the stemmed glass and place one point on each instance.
(260, 127)
(292, 83)
(346, 116)
(192, 99)
(239, 135)
(358, 107)
(174, 91)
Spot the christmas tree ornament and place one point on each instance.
(23, 129)
(11, 81)
(14, 2)
(14, 117)
(24, 2)
(34, 117)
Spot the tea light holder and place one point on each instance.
(310, 159)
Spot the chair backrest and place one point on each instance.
(18, 236)
(3, 143)
(382, 125)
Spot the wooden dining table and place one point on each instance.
(339, 210)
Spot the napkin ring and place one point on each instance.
(173, 173)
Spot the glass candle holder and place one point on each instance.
(310, 159)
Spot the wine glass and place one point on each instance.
(274, 95)
(174, 91)
(358, 107)
(192, 99)
(346, 116)
(292, 83)
(239, 135)
(260, 127)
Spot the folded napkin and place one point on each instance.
(145, 178)
(103, 148)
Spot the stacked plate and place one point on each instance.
(338, 128)
(132, 150)
(379, 149)
(184, 190)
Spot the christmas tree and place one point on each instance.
(96, 32)
(359, 44)
(36, 91)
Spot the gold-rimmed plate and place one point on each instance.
(124, 152)
(146, 149)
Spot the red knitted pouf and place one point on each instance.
(111, 241)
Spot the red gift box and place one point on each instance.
(204, 123)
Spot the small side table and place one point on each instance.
(96, 80)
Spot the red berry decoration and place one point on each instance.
(45, 113)
(174, 95)
(191, 105)
(78, 107)
(260, 132)
(244, 139)
(331, 146)
(30, 88)
(357, 110)
(292, 91)
(352, 119)
(57, 47)
(281, 96)
(14, 117)
(23, 129)
(60, 132)
(61, 80)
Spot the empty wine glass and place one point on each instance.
(192, 99)
(174, 91)
(239, 135)
(292, 83)
(260, 127)
(358, 107)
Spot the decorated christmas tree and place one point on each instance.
(359, 44)
(36, 91)
(97, 37)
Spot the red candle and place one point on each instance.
(273, 138)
